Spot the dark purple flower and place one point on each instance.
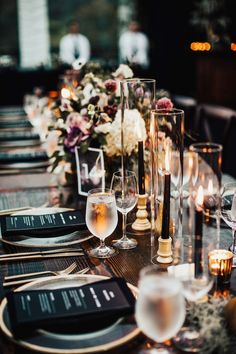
(94, 100)
(110, 110)
(110, 85)
(73, 138)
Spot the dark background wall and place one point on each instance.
(207, 76)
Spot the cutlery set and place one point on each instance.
(63, 252)
(15, 280)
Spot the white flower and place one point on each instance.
(134, 130)
(123, 72)
(88, 92)
(103, 128)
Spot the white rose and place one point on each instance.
(123, 71)
(103, 128)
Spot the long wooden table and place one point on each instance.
(127, 263)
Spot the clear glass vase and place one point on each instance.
(167, 146)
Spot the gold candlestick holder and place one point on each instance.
(141, 223)
(164, 250)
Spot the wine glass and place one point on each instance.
(228, 210)
(190, 171)
(125, 188)
(192, 270)
(101, 219)
(160, 307)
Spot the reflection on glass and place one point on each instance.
(126, 194)
(160, 308)
(101, 219)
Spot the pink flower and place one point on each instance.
(75, 120)
(110, 85)
(164, 103)
(73, 138)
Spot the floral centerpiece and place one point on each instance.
(88, 114)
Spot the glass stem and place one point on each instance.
(124, 218)
(234, 240)
(102, 244)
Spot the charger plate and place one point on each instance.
(58, 241)
(114, 335)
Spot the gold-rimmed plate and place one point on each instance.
(115, 334)
(67, 239)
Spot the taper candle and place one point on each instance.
(166, 203)
(198, 231)
(141, 176)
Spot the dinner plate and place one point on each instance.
(58, 241)
(113, 335)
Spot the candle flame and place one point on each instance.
(65, 93)
(199, 198)
(190, 162)
(210, 187)
(167, 158)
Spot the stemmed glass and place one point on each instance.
(125, 188)
(160, 307)
(101, 219)
(192, 270)
(228, 210)
(190, 171)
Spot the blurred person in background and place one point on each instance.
(134, 47)
(74, 45)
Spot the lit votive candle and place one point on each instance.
(220, 264)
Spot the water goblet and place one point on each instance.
(192, 270)
(101, 219)
(228, 211)
(160, 307)
(125, 188)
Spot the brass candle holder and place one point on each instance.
(220, 264)
(141, 223)
(164, 252)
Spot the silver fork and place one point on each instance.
(24, 281)
(65, 271)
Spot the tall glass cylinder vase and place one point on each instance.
(167, 145)
(137, 101)
(208, 178)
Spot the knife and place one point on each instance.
(58, 250)
(23, 281)
(42, 256)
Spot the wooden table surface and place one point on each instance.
(127, 263)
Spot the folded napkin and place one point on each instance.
(86, 308)
(15, 124)
(19, 135)
(47, 225)
(10, 110)
(9, 157)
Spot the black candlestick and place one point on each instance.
(141, 177)
(198, 242)
(166, 208)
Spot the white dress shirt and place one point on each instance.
(134, 48)
(74, 46)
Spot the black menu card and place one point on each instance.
(82, 307)
(10, 157)
(41, 225)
